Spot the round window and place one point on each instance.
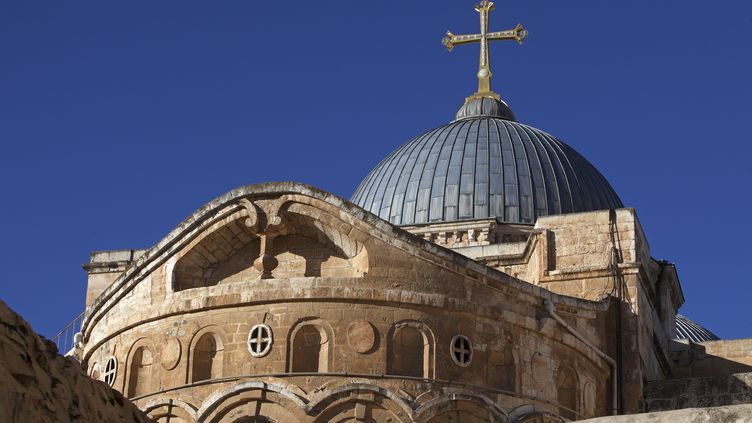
(462, 351)
(260, 340)
(110, 371)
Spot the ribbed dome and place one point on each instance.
(479, 167)
(687, 329)
(485, 106)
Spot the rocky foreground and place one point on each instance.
(726, 414)
(39, 385)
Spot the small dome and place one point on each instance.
(687, 329)
(485, 106)
(480, 167)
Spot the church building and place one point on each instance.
(484, 271)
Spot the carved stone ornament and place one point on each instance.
(171, 350)
(260, 340)
(361, 336)
(267, 227)
(110, 370)
(462, 350)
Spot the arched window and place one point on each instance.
(501, 370)
(207, 358)
(567, 393)
(588, 399)
(139, 372)
(310, 349)
(410, 351)
(94, 371)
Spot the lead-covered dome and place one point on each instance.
(687, 329)
(483, 165)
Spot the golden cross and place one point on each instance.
(484, 71)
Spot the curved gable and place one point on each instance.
(260, 234)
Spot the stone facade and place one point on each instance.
(362, 318)
(280, 302)
(599, 255)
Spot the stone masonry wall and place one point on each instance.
(573, 255)
(698, 392)
(381, 280)
(711, 358)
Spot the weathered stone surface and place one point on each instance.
(728, 414)
(361, 336)
(711, 358)
(351, 300)
(698, 392)
(364, 315)
(38, 385)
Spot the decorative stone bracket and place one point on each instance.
(267, 225)
(296, 214)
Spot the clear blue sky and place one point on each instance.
(119, 119)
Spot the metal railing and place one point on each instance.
(65, 339)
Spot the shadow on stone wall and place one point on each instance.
(713, 358)
(712, 391)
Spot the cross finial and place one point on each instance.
(484, 70)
